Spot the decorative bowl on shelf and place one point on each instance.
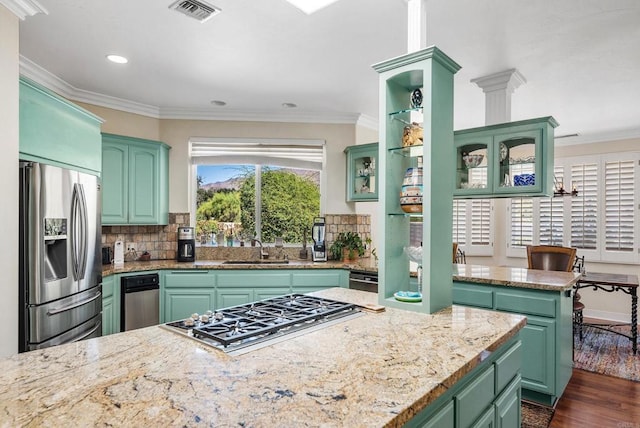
(524, 180)
(472, 161)
(408, 296)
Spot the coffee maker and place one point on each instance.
(319, 250)
(186, 244)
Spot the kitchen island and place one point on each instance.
(380, 369)
(546, 298)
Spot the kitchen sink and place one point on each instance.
(255, 262)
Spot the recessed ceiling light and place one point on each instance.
(310, 6)
(289, 105)
(117, 59)
(218, 103)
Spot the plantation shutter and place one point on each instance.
(481, 222)
(551, 215)
(619, 205)
(584, 214)
(460, 222)
(521, 222)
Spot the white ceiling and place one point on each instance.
(581, 58)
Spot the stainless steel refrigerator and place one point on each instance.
(60, 265)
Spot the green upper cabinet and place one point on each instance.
(361, 172)
(57, 132)
(135, 182)
(505, 160)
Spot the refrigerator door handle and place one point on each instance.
(79, 232)
(55, 311)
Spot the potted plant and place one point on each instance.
(347, 246)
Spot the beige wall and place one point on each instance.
(176, 133)
(124, 123)
(9, 97)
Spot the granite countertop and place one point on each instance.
(376, 370)
(515, 277)
(141, 266)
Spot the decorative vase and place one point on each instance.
(411, 192)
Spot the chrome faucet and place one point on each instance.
(263, 254)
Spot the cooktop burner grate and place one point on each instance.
(247, 324)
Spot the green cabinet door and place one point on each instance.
(443, 418)
(233, 296)
(507, 406)
(538, 355)
(57, 132)
(505, 160)
(269, 292)
(108, 308)
(180, 303)
(135, 181)
(115, 182)
(362, 161)
(314, 280)
(487, 420)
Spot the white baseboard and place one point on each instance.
(607, 316)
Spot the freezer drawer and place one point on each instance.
(86, 330)
(57, 317)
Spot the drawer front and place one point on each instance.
(472, 296)
(259, 278)
(508, 365)
(318, 279)
(189, 279)
(526, 304)
(475, 398)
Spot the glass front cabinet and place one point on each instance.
(361, 172)
(505, 160)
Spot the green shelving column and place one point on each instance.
(431, 71)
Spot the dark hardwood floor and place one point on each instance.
(595, 400)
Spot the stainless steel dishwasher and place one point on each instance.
(140, 301)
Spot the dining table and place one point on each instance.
(613, 282)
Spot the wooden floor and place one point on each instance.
(595, 400)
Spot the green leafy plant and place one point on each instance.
(347, 244)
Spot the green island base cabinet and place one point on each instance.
(135, 181)
(547, 339)
(488, 397)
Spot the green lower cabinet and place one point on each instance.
(233, 296)
(180, 303)
(314, 280)
(444, 417)
(546, 339)
(269, 292)
(108, 306)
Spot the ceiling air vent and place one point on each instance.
(196, 9)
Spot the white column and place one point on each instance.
(416, 25)
(498, 88)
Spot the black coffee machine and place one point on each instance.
(186, 244)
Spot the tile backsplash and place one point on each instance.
(160, 241)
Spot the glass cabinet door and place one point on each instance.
(361, 172)
(518, 158)
(473, 166)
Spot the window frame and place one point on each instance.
(254, 159)
(468, 247)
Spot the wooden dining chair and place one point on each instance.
(550, 257)
(455, 251)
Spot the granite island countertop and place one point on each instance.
(376, 370)
(515, 277)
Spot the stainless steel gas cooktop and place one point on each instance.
(240, 329)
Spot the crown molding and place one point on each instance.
(367, 122)
(24, 8)
(42, 76)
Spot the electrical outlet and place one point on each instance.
(131, 246)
